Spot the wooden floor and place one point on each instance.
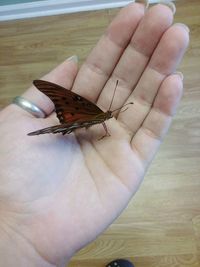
(161, 226)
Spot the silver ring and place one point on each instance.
(29, 107)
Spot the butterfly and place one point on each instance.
(73, 110)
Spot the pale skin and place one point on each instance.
(58, 193)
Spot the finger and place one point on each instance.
(64, 75)
(137, 54)
(163, 62)
(100, 63)
(148, 138)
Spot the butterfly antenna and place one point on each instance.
(131, 103)
(113, 94)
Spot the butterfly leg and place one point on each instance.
(106, 130)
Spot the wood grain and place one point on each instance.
(161, 225)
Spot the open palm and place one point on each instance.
(60, 192)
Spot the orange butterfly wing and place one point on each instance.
(69, 106)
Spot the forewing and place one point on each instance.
(53, 129)
(69, 106)
(65, 128)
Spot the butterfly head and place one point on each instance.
(109, 114)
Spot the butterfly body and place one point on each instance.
(73, 110)
(67, 128)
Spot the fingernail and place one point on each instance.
(144, 2)
(73, 58)
(169, 4)
(180, 75)
(184, 26)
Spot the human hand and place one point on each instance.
(59, 192)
